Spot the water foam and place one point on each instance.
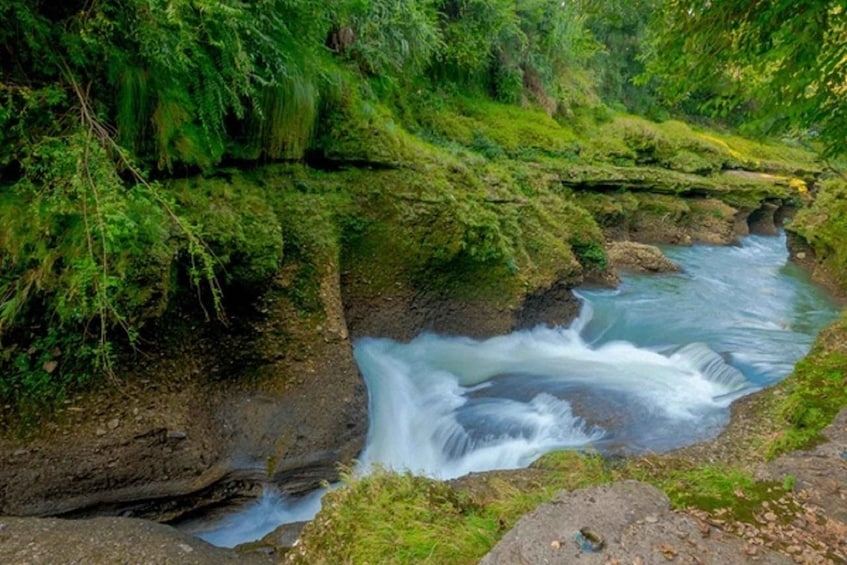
(651, 365)
(446, 406)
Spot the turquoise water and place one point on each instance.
(649, 366)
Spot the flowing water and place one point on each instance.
(652, 365)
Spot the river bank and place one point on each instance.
(214, 412)
(455, 243)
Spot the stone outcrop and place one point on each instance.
(627, 522)
(274, 398)
(820, 471)
(639, 257)
(402, 315)
(51, 541)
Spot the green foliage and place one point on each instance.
(237, 223)
(715, 488)
(514, 50)
(391, 37)
(496, 130)
(472, 30)
(387, 517)
(171, 77)
(814, 393)
(283, 124)
(823, 226)
(620, 26)
(675, 145)
(41, 368)
(85, 235)
(557, 43)
(590, 254)
(91, 255)
(782, 64)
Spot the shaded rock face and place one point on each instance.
(678, 221)
(639, 257)
(764, 220)
(686, 221)
(628, 522)
(107, 540)
(803, 254)
(307, 410)
(165, 445)
(276, 398)
(402, 316)
(554, 306)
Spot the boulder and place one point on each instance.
(639, 257)
(626, 522)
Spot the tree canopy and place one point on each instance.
(783, 63)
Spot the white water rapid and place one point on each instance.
(651, 365)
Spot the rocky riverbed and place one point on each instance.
(276, 399)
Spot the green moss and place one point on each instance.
(609, 209)
(823, 226)
(674, 145)
(470, 230)
(496, 130)
(814, 393)
(234, 218)
(690, 162)
(644, 211)
(360, 129)
(735, 492)
(386, 517)
(590, 254)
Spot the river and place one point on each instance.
(649, 366)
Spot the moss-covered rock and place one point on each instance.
(823, 226)
(236, 221)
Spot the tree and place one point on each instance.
(620, 27)
(789, 57)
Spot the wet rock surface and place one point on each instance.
(216, 413)
(52, 541)
(275, 544)
(627, 522)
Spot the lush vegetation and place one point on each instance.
(103, 102)
(390, 517)
(814, 395)
(773, 65)
(155, 153)
(110, 109)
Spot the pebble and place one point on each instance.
(114, 423)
